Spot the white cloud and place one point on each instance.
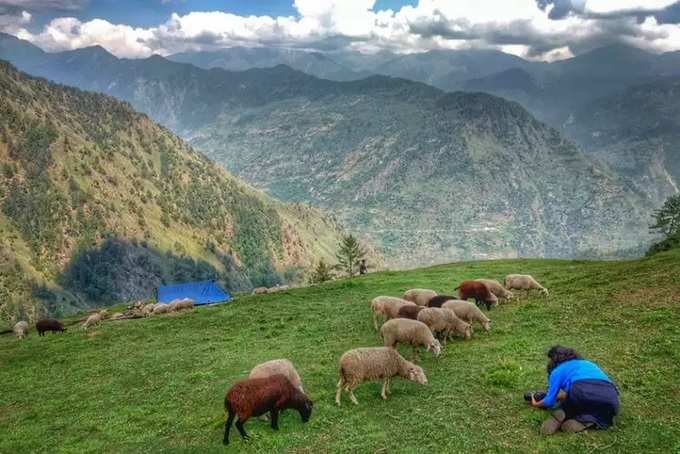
(549, 29)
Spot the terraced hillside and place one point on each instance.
(158, 384)
(100, 204)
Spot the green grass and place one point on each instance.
(158, 384)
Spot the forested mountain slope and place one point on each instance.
(98, 204)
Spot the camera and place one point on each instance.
(538, 395)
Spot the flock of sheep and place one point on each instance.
(421, 318)
(137, 310)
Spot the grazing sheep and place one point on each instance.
(497, 289)
(148, 309)
(387, 306)
(412, 332)
(95, 319)
(420, 296)
(172, 305)
(260, 291)
(374, 363)
(523, 282)
(479, 291)
(468, 312)
(278, 366)
(437, 301)
(161, 308)
(49, 324)
(185, 304)
(257, 396)
(21, 329)
(409, 311)
(444, 322)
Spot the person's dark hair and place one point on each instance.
(558, 355)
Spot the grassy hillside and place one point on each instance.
(158, 384)
(100, 204)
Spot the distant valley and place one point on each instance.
(424, 175)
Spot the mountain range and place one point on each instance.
(99, 204)
(427, 176)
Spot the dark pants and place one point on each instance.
(592, 401)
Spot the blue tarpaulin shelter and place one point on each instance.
(203, 292)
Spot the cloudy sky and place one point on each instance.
(537, 29)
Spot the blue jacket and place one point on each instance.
(564, 375)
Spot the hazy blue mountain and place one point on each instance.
(447, 69)
(553, 92)
(636, 132)
(243, 58)
(428, 176)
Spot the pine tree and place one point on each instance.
(667, 219)
(321, 273)
(349, 254)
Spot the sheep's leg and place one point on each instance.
(383, 393)
(241, 429)
(338, 392)
(351, 396)
(227, 428)
(388, 386)
(375, 320)
(275, 419)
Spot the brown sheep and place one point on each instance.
(437, 301)
(409, 312)
(497, 289)
(257, 396)
(49, 324)
(479, 291)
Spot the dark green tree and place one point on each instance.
(667, 219)
(321, 273)
(667, 223)
(349, 254)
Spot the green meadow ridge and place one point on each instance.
(99, 204)
(158, 384)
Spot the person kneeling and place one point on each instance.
(588, 397)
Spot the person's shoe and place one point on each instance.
(553, 423)
(573, 426)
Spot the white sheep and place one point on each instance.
(388, 307)
(412, 332)
(468, 312)
(160, 308)
(523, 282)
(260, 291)
(444, 322)
(185, 304)
(148, 309)
(278, 366)
(95, 319)
(372, 364)
(420, 296)
(497, 289)
(21, 329)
